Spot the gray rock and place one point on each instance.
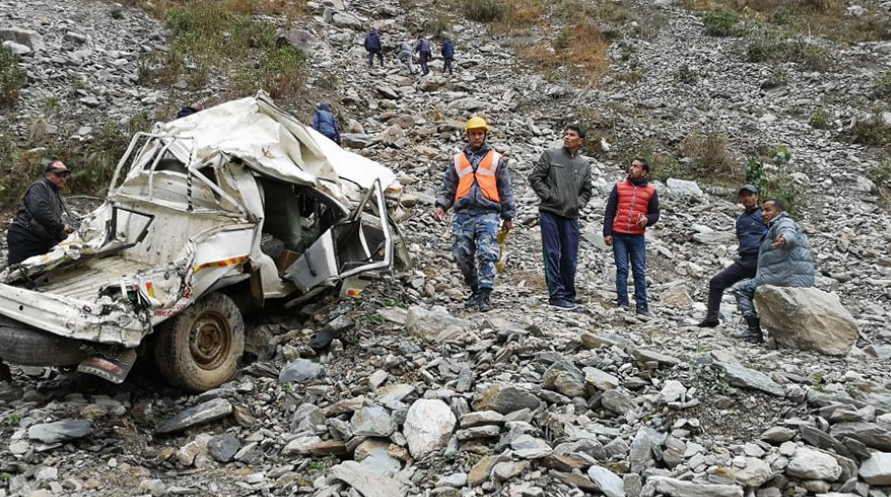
(809, 464)
(30, 38)
(755, 474)
(607, 481)
(17, 48)
(456, 480)
(747, 378)
(642, 448)
(428, 426)
(372, 421)
(223, 447)
(870, 434)
(205, 412)
(650, 355)
(680, 488)
(778, 434)
(507, 470)
(877, 469)
(529, 447)
(478, 418)
(600, 379)
(684, 188)
(504, 398)
(435, 326)
(365, 481)
(672, 391)
(300, 371)
(565, 378)
(806, 319)
(60, 431)
(618, 402)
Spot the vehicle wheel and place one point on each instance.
(199, 349)
(29, 346)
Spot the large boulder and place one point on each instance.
(436, 325)
(806, 319)
(428, 426)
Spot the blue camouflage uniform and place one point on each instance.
(476, 223)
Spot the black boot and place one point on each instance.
(473, 302)
(709, 322)
(485, 305)
(753, 332)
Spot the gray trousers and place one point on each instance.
(744, 291)
(405, 60)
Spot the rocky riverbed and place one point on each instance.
(417, 396)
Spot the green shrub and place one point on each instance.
(685, 75)
(766, 46)
(485, 11)
(881, 173)
(11, 78)
(779, 185)
(779, 77)
(281, 72)
(820, 119)
(873, 131)
(440, 24)
(882, 85)
(721, 21)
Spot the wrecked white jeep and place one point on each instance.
(206, 216)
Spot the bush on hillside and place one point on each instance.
(485, 11)
(765, 46)
(721, 21)
(11, 78)
(882, 86)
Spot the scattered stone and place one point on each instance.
(300, 371)
(205, 412)
(607, 481)
(224, 447)
(60, 431)
(366, 482)
(505, 399)
(809, 464)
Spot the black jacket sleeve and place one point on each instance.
(610, 215)
(653, 209)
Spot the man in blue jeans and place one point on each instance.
(562, 180)
(632, 206)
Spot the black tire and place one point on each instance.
(28, 346)
(199, 349)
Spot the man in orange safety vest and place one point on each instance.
(477, 184)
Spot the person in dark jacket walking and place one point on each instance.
(373, 47)
(562, 180)
(749, 230)
(423, 51)
(325, 123)
(632, 206)
(448, 54)
(784, 259)
(477, 184)
(38, 225)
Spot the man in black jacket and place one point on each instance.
(38, 224)
(749, 230)
(562, 180)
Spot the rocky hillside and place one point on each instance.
(418, 397)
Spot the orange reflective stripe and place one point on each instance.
(223, 263)
(484, 176)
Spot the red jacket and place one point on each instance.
(628, 203)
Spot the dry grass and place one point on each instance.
(826, 18)
(588, 51)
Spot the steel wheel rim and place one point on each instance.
(210, 341)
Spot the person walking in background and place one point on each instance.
(632, 206)
(477, 184)
(373, 47)
(39, 224)
(448, 53)
(562, 180)
(749, 230)
(784, 259)
(405, 57)
(325, 123)
(423, 51)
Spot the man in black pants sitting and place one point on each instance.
(749, 230)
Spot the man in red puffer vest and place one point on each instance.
(632, 206)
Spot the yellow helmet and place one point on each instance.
(476, 123)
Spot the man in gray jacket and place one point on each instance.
(562, 180)
(784, 259)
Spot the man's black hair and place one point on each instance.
(778, 203)
(646, 163)
(578, 129)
